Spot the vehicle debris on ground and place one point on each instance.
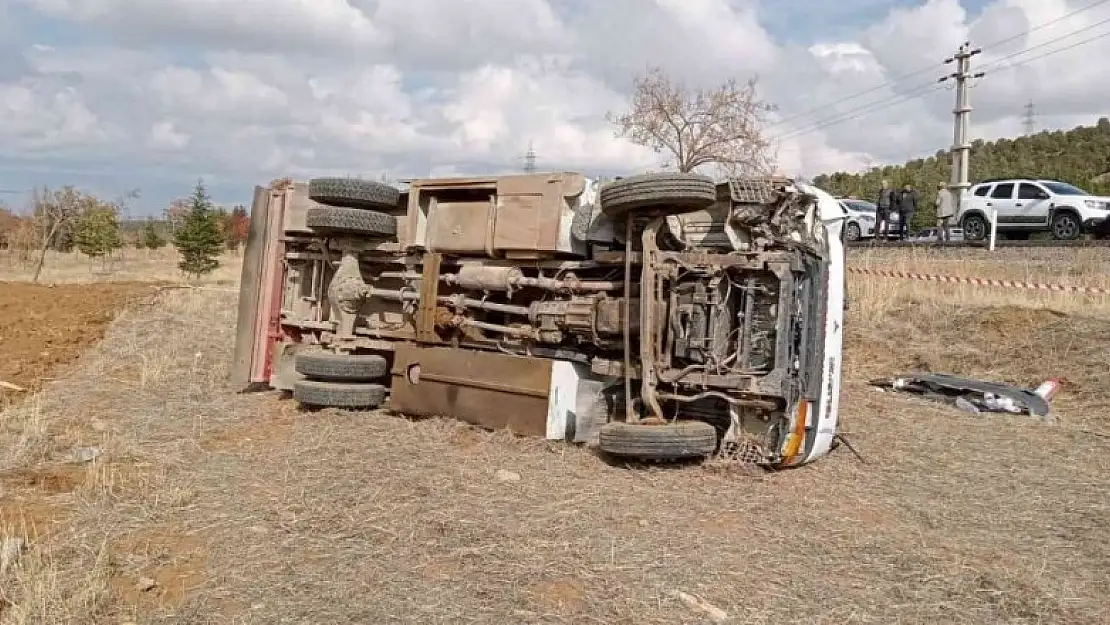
(975, 396)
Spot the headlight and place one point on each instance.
(866, 218)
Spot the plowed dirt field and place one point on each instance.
(44, 327)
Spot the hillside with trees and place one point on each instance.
(1080, 156)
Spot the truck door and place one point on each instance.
(258, 324)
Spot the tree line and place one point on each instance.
(69, 219)
(1080, 156)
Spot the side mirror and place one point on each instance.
(1043, 196)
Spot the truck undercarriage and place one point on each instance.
(658, 316)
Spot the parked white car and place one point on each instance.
(1026, 206)
(861, 223)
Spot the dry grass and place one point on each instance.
(243, 510)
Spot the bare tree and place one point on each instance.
(175, 213)
(55, 212)
(721, 126)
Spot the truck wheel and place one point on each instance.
(975, 228)
(666, 193)
(353, 193)
(330, 219)
(321, 365)
(673, 441)
(853, 232)
(319, 394)
(1066, 226)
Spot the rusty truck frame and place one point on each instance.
(657, 316)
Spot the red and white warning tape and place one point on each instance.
(1010, 284)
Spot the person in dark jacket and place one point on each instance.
(884, 204)
(906, 207)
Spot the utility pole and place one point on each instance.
(961, 147)
(1030, 121)
(530, 160)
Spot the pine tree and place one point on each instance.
(199, 239)
(151, 238)
(96, 232)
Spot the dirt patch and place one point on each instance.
(49, 480)
(274, 427)
(560, 595)
(43, 327)
(159, 567)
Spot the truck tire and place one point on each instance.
(673, 441)
(665, 193)
(331, 219)
(329, 366)
(975, 227)
(318, 394)
(353, 193)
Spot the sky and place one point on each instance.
(118, 95)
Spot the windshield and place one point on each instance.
(860, 205)
(1063, 188)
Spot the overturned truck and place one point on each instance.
(658, 316)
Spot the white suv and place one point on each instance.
(1025, 206)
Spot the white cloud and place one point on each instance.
(496, 110)
(850, 58)
(164, 136)
(35, 116)
(253, 24)
(254, 89)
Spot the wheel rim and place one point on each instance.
(853, 232)
(974, 228)
(1066, 227)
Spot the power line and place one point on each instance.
(852, 97)
(1051, 41)
(924, 89)
(930, 68)
(1051, 52)
(860, 111)
(1046, 24)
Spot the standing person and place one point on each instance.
(946, 210)
(907, 206)
(884, 204)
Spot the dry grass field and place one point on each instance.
(210, 506)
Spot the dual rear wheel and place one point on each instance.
(332, 380)
(352, 207)
(348, 207)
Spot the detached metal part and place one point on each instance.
(951, 388)
(553, 304)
